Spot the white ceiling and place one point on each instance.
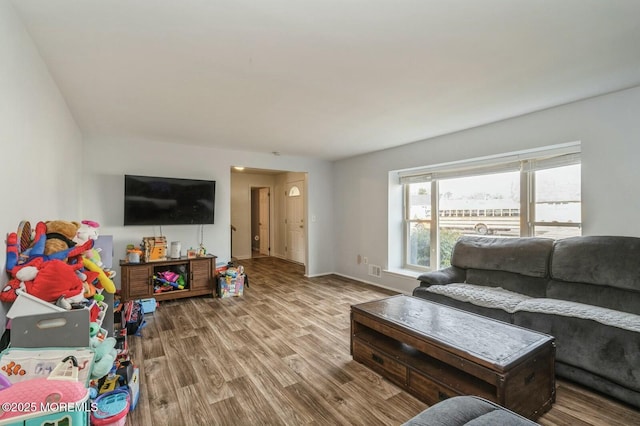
(326, 78)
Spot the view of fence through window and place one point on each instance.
(491, 205)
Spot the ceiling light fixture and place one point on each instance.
(238, 168)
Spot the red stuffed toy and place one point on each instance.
(45, 280)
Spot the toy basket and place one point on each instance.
(111, 408)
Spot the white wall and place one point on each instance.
(107, 161)
(40, 144)
(608, 127)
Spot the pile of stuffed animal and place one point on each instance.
(56, 263)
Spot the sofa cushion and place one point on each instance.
(531, 286)
(526, 256)
(470, 411)
(599, 295)
(489, 297)
(584, 341)
(601, 384)
(443, 276)
(606, 260)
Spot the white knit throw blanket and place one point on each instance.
(508, 301)
(566, 308)
(488, 297)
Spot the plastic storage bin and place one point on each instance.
(231, 287)
(26, 304)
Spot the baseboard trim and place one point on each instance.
(324, 274)
(370, 283)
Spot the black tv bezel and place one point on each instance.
(169, 179)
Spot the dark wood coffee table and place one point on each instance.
(435, 352)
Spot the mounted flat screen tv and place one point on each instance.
(168, 201)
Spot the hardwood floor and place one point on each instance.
(280, 355)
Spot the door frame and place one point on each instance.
(255, 191)
(241, 183)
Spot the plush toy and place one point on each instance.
(89, 278)
(94, 256)
(13, 253)
(103, 279)
(88, 231)
(37, 250)
(60, 235)
(17, 254)
(105, 356)
(46, 280)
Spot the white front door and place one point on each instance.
(295, 221)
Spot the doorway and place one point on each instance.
(284, 231)
(260, 222)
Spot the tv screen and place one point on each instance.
(168, 201)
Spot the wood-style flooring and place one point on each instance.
(280, 355)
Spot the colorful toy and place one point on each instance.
(88, 230)
(169, 276)
(60, 234)
(231, 285)
(94, 256)
(61, 387)
(134, 388)
(155, 248)
(45, 280)
(12, 368)
(4, 382)
(21, 244)
(90, 289)
(25, 235)
(37, 249)
(167, 282)
(111, 408)
(110, 383)
(104, 280)
(105, 355)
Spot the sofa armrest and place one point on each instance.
(449, 275)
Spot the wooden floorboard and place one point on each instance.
(279, 355)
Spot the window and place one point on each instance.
(557, 202)
(294, 191)
(418, 198)
(531, 194)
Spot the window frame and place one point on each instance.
(432, 223)
(527, 164)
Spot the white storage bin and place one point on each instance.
(27, 304)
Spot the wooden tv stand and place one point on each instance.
(435, 352)
(137, 278)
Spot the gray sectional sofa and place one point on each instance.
(584, 291)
